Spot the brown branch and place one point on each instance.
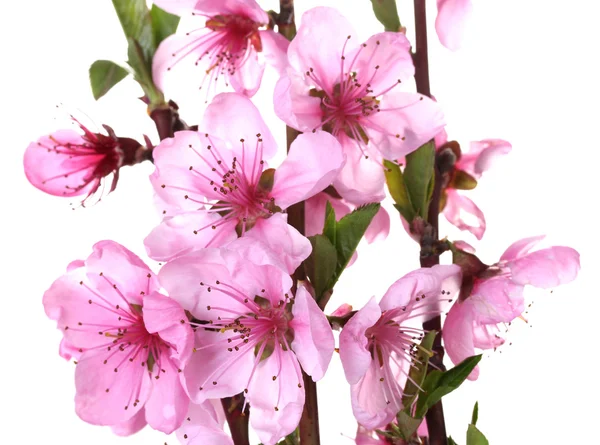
(285, 19)
(435, 416)
(236, 419)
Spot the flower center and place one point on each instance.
(240, 31)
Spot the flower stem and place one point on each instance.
(435, 416)
(236, 419)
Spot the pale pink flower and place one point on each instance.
(67, 163)
(203, 425)
(459, 210)
(225, 43)
(451, 22)
(212, 182)
(258, 334)
(497, 296)
(130, 341)
(378, 344)
(353, 91)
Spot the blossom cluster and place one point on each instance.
(228, 314)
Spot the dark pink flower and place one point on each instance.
(217, 187)
(497, 295)
(67, 163)
(258, 333)
(130, 341)
(226, 43)
(353, 91)
(451, 22)
(378, 343)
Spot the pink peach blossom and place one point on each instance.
(497, 295)
(258, 334)
(67, 163)
(378, 343)
(225, 42)
(353, 91)
(212, 182)
(451, 22)
(203, 425)
(131, 342)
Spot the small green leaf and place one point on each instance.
(104, 75)
(397, 188)
(419, 177)
(350, 230)
(418, 372)
(475, 437)
(475, 414)
(438, 383)
(330, 226)
(462, 181)
(407, 425)
(136, 23)
(451, 441)
(387, 14)
(321, 265)
(142, 69)
(163, 24)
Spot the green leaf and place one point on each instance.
(142, 69)
(407, 425)
(451, 441)
(164, 24)
(104, 75)
(387, 14)
(475, 437)
(395, 182)
(330, 226)
(321, 265)
(462, 181)
(475, 414)
(350, 230)
(418, 372)
(438, 383)
(136, 23)
(419, 177)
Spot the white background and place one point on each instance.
(528, 74)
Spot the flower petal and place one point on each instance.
(248, 75)
(451, 21)
(316, 47)
(177, 7)
(202, 426)
(464, 213)
(294, 105)
(314, 209)
(274, 49)
(379, 228)
(458, 334)
(186, 232)
(546, 268)
(355, 357)
(312, 164)
(497, 300)
(245, 8)
(132, 425)
(313, 340)
(276, 403)
(482, 156)
(370, 405)
(520, 248)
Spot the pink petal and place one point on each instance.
(247, 77)
(288, 245)
(546, 268)
(318, 45)
(313, 339)
(441, 138)
(369, 403)
(168, 404)
(406, 121)
(132, 425)
(361, 180)
(165, 316)
(457, 334)
(482, 155)
(46, 167)
(311, 165)
(463, 245)
(379, 227)
(203, 426)
(314, 209)
(342, 310)
(294, 106)
(186, 232)
(177, 7)
(118, 274)
(265, 394)
(245, 8)
(92, 378)
(355, 357)
(365, 437)
(486, 336)
(383, 60)
(497, 300)
(232, 117)
(67, 351)
(274, 49)
(451, 22)
(520, 248)
(459, 207)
